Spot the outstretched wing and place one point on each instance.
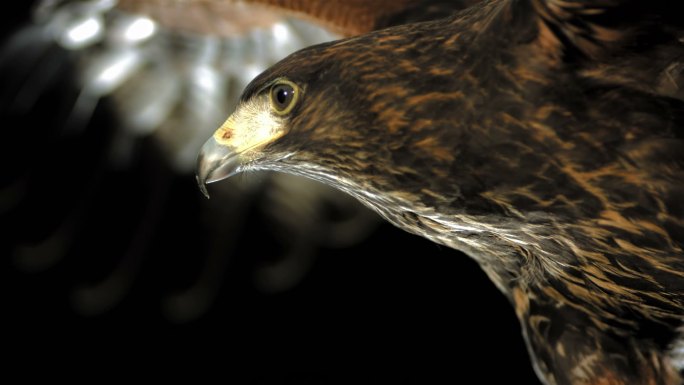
(351, 17)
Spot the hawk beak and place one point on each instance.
(214, 163)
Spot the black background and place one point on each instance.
(394, 309)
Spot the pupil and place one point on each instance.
(282, 95)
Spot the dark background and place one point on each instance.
(395, 308)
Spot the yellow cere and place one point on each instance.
(252, 125)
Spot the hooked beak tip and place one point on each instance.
(202, 186)
(215, 162)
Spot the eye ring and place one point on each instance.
(283, 96)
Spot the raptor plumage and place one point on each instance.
(543, 138)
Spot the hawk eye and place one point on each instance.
(284, 95)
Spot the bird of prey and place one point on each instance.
(543, 138)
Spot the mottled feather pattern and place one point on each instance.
(536, 137)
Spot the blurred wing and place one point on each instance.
(129, 103)
(351, 17)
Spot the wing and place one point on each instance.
(616, 70)
(635, 43)
(167, 90)
(349, 17)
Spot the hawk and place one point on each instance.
(543, 138)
